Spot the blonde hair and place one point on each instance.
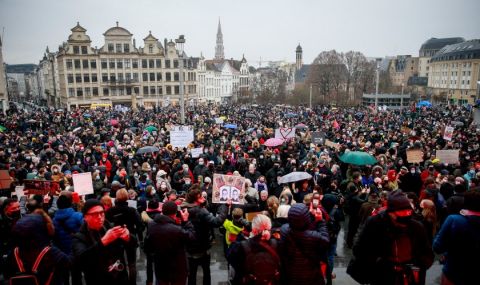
(121, 195)
(261, 225)
(272, 204)
(106, 201)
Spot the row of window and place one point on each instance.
(120, 63)
(119, 48)
(147, 90)
(129, 77)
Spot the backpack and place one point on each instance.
(262, 267)
(333, 223)
(29, 278)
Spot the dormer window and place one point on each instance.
(126, 47)
(110, 47)
(150, 48)
(119, 48)
(76, 50)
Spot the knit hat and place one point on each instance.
(397, 200)
(64, 202)
(169, 208)
(90, 203)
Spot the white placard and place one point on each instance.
(181, 136)
(132, 203)
(449, 156)
(19, 191)
(219, 121)
(285, 133)
(82, 183)
(196, 152)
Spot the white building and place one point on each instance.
(3, 83)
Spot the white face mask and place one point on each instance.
(412, 171)
(163, 186)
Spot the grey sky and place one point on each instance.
(270, 29)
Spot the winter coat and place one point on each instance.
(459, 240)
(122, 214)
(303, 244)
(67, 222)
(377, 247)
(232, 231)
(167, 242)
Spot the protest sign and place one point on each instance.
(329, 143)
(196, 152)
(405, 130)
(219, 121)
(132, 203)
(41, 187)
(227, 187)
(448, 133)
(285, 133)
(82, 183)
(181, 136)
(450, 156)
(19, 191)
(414, 156)
(318, 138)
(5, 179)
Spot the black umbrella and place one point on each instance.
(147, 149)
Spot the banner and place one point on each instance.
(285, 133)
(414, 155)
(82, 183)
(196, 152)
(329, 143)
(448, 134)
(450, 156)
(41, 187)
(181, 136)
(227, 187)
(318, 138)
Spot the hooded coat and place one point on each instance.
(67, 222)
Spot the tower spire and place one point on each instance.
(219, 55)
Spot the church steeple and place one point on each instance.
(219, 55)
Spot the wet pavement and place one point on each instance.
(219, 271)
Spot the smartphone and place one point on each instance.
(315, 203)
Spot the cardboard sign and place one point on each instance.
(82, 183)
(196, 152)
(219, 121)
(448, 133)
(414, 155)
(181, 136)
(329, 143)
(41, 187)
(19, 191)
(227, 187)
(450, 156)
(285, 133)
(5, 179)
(318, 138)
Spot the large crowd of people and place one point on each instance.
(397, 214)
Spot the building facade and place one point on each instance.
(402, 68)
(454, 73)
(3, 83)
(120, 73)
(429, 49)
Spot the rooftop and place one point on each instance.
(465, 50)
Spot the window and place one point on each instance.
(76, 50)
(135, 77)
(104, 77)
(144, 77)
(152, 76)
(95, 91)
(84, 50)
(151, 63)
(127, 63)
(69, 64)
(70, 78)
(128, 77)
(93, 64)
(112, 77)
(118, 47)
(104, 63)
(169, 90)
(71, 92)
(160, 90)
(159, 63)
(144, 63)
(79, 92)
(78, 78)
(159, 76)
(152, 90)
(77, 63)
(145, 90)
(88, 91)
(177, 89)
(136, 90)
(119, 63)
(110, 47)
(129, 90)
(105, 91)
(175, 63)
(85, 63)
(126, 47)
(167, 63)
(134, 63)
(150, 48)
(94, 77)
(176, 76)
(111, 63)
(168, 76)
(86, 78)
(121, 92)
(120, 77)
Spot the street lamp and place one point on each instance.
(378, 60)
(180, 41)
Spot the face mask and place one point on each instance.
(273, 157)
(316, 172)
(187, 182)
(136, 175)
(55, 171)
(200, 163)
(153, 192)
(185, 169)
(412, 171)
(104, 159)
(78, 162)
(472, 172)
(130, 156)
(403, 220)
(97, 178)
(163, 187)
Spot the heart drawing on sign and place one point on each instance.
(286, 132)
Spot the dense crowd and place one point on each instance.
(397, 213)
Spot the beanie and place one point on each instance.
(64, 202)
(169, 208)
(90, 203)
(397, 200)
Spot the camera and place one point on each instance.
(117, 266)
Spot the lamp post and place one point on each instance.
(180, 41)
(378, 60)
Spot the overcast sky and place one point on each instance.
(266, 29)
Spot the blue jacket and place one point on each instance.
(67, 222)
(459, 241)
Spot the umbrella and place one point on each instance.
(457, 123)
(301, 126)
(2, 129)
(273, 142)
(147, 149)
(230, 126)
(294, 177)
(249, 130)
(77, 129)
(291, 115)
(250, 116)
(424, 104)
(151, 129)
(86, 115)
(31, 121)
(358, 158)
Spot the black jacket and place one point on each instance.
(167, 242)
(376, 247)
(121, 214)
(94, 258)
